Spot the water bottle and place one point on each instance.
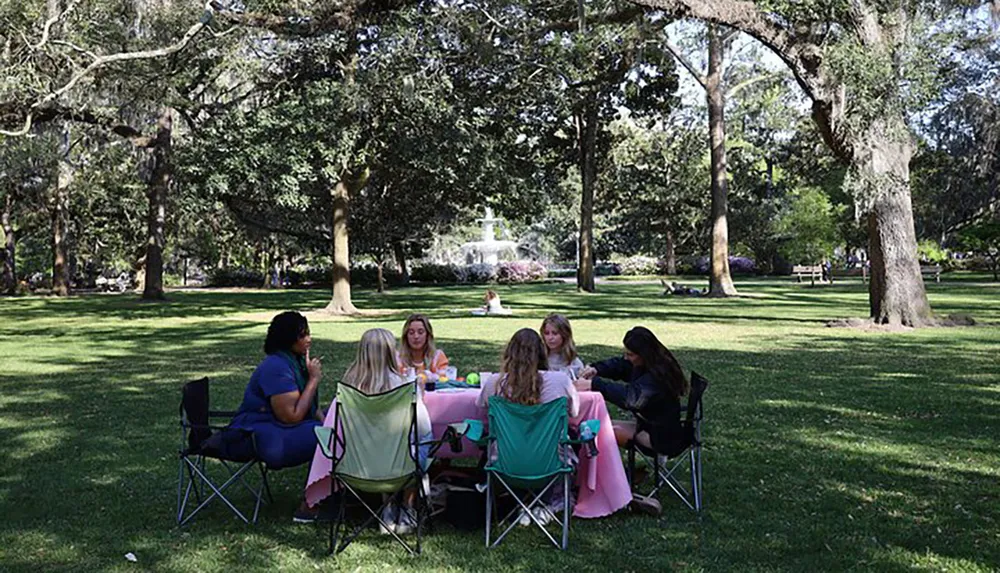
(587, 435)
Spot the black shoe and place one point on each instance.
(322, 512)
(647, 505)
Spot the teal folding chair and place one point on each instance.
(375, 451)
(532, 455)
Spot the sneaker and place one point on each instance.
(407, 522)
(542, 515)
(647, 505)
(523, 520)
(306, 514)
(390, 514)
(556, 505)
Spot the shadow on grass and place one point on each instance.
(833, 452)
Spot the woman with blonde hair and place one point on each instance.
(417, 349)
(559, 346)
(375, 371)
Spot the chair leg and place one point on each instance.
(335, 523)
(259, 494)
(489, 504)
(631, 466)
(267, 484)
(180, 487)
(421, 503)
(566, 493)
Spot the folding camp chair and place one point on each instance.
(374, 450)
(668, 466)
(532, 455)
(200, 442)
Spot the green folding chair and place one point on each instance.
(532, 455)
(375, 451)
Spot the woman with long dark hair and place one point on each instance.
(653, 386)
(279, 403)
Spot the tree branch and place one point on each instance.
(102, 61)
(748, 82)
(47, 29)
(695, 73)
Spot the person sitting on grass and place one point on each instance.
(375, 371)
(524, 378)
(417, 349)
(559, 346)
(491, 305)
(654, 384)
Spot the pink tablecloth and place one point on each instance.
(603, 485)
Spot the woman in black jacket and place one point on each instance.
(654, 384)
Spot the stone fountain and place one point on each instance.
(488, 249)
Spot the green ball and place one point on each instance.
(472, 379)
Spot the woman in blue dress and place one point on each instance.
(279, 404)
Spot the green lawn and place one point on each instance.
(828, 449)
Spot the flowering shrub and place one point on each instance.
(437, 273)
(742, 266)
(737, 266)
(637, 265)
(480, 273)
(520, 272)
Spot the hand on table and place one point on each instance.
(588, 373)
(582, 384)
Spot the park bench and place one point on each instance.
(931, 271)
(814, 272)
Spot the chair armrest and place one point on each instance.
(324, 437)
(474, 431)
(588, 436)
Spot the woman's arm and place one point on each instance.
(614, 368)
(293, 407)
(439, 362)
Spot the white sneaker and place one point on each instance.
(523, 520)
(542, 515)
(407, 521)
(390, 514)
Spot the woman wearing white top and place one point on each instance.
(559, 346)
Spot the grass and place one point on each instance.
(828, 449)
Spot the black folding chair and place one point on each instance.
(668, 467)
(201, 442)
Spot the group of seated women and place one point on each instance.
(280, 404)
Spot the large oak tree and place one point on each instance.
(855, 60)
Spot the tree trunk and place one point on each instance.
(341, 301)
(8, 274)
(400, 253)
(896, 290)
(381, 276)
(59, 216)
(156, 218)
(720, 281)
(670, 256)
(587, 142)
